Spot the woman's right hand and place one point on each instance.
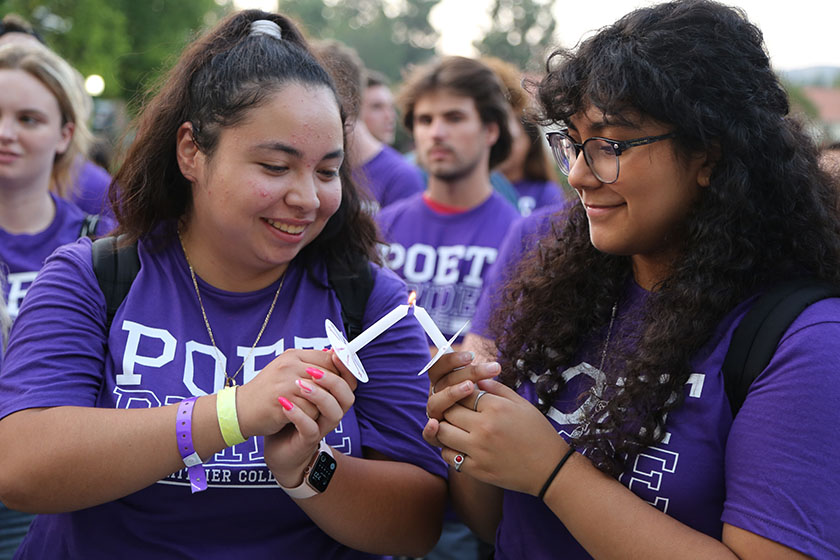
(289, 451)
(259, 412)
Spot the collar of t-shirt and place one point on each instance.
(443, 208)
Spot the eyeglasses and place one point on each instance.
(601, 154)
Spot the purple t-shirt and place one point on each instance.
(157, 353)
(773, 471)
(445, 257)
(91, 190)
(390, 177)
(23, 255)
(537, 194)
(522, 236)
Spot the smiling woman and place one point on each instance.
(236, 198)
(610, 433)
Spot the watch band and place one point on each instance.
(183, 431)
(305, 488)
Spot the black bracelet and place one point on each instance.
(556, 470)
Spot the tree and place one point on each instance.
(387, 36)
(522, 32)
(127, 42)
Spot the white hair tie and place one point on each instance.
(266, 27)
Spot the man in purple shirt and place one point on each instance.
(443, 241)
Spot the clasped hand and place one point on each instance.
(506, 440)
(315, 391)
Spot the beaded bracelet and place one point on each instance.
(183, 431)
(228, 419)
(556, 470)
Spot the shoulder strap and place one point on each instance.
(353, 286)
(755, 339)
(115, 268)
(89, 225)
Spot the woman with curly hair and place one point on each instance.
(697, 193)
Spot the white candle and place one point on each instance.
(430, 327)
(377, 328)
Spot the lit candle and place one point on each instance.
(430, 327)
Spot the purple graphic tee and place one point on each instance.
(445, 257)
(773, 471)
(23, 255)
(390, 177)
(537, 194)
(157, 353)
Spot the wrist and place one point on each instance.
(314, 477)
(552, 477)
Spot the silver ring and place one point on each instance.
(459, 461)
(478, 396)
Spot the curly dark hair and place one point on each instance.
(769, 214)
(216, 81)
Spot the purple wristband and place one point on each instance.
(183, 431)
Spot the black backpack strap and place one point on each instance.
(755, 339)
(353, 286)
(89, 226)
(115, 269)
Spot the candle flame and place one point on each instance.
(412, 297)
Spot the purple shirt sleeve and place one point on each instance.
(782, 452)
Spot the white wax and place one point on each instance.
(377, 328)
(430, 327)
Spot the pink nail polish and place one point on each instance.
(304, 386)
(315, 372)
(286, 403)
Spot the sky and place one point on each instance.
(798, 34)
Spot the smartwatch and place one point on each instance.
(317, 475)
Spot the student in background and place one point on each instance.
(529, 167)
(377, 167)
(378, 111)
(443, 241)
(88, 186)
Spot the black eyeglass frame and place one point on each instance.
(618, 146)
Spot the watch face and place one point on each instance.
(322, 471)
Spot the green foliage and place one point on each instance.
(522, 32)
(130, 42)
(127, 42)
(388, 36)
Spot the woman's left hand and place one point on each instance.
(506, 441)
(288, 452)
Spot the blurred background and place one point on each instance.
(122, 46)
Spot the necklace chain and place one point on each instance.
(230, 380)
(607, 341)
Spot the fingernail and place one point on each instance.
(467, 357)
(489, 367)
(325, 349)
(304, 386)
(286, 403)
(315, 372)
(465, 386)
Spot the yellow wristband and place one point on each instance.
(226, 413)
